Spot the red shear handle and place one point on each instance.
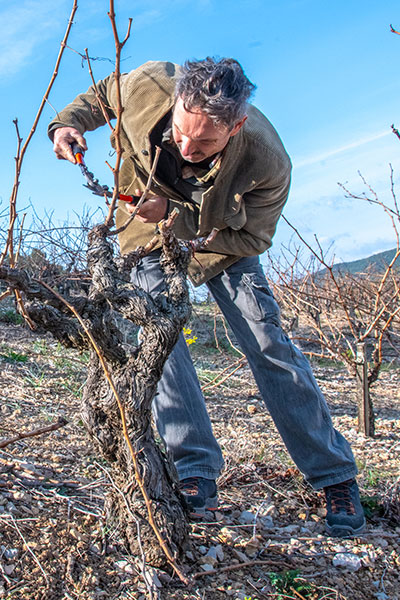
(78, 153)
(130, 199)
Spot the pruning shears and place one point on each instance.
(92, 183)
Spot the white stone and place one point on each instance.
(350, 561)
(189, 555)
(290, 529)
(125, 566)
(152, 577)
(9, 553)
(8, 569)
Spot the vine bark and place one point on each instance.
(122, 381)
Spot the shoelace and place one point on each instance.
(190, 486)
(339, 498)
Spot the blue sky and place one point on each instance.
(326, 76)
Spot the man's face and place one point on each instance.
(196, 135)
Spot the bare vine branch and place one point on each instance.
(21, 149)
(396, 131)
(143, 196)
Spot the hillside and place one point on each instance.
(376, 263)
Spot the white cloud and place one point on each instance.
(28, 24)
(317, 205)
(317, 178)
(24, 26)
(311, 160)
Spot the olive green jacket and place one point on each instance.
(249, 191)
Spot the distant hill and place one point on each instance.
(376, 263)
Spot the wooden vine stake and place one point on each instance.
(365, 408)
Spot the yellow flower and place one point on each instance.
(187, 332)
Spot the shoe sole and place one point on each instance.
(344, 530)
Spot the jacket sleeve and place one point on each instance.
(85, 113)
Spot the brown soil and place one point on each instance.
(55, 542)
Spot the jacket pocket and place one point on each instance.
(238, 218)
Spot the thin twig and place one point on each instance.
(134, 518)
(396, 131)
(29, 549)
(119, 108)
(21, 436)
(297, 593)
(21, 227)
(100, 102)
(211, 384)
(5, 294)
(251, 563)
(22, 310)
(143, 196)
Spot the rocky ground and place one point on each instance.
(266, 541)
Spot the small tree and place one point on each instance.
(350, 316)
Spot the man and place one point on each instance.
(223, 164)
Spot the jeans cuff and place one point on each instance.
(204, 472)
(321, 482)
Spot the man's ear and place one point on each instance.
(238, 126)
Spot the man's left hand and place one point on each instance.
(153, 209)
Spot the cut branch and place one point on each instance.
(23, 435)
(142, 197)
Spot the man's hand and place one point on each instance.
(152, 210)
(62, 140)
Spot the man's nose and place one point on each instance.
(187, 146)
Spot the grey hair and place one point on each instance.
(218, 87)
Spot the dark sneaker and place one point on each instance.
(345, 515)
(200, 495)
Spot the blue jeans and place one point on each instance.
(282, 373)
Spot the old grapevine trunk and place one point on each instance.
(116, 408)
(135, 378)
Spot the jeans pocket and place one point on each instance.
(260, 304)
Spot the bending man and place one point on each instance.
(223, 164)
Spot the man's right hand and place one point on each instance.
(62, 140)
